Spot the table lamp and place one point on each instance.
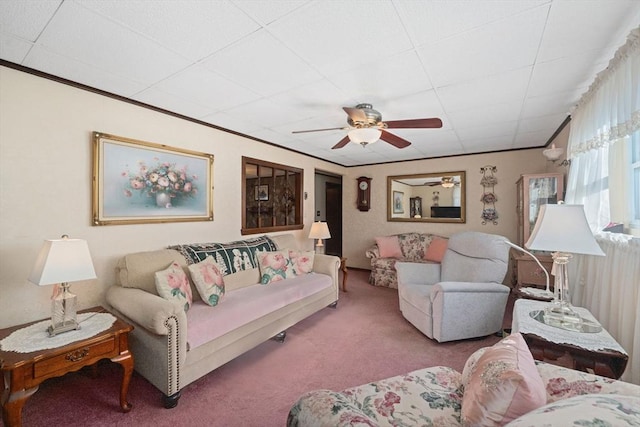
(62, 261)
(319, 231)
(563, 230)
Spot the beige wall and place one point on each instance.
(45, 184)
(361, 228)
(45, 187)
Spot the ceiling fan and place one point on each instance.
(366, 126)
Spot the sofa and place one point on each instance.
(174, 345)
(403, 247)
(463, 296)
(488, 392)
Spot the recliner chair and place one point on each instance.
(463, 297)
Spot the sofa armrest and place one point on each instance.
(469, 287)
(417, 273)
(327, 408)
(329, 265)
(147, 310)
(373, 252)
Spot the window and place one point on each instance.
(635, 179)
(271, 197)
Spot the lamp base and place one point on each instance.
(59, 328)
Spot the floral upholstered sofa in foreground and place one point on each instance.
(407, 247)
(499, 385)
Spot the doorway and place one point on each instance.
(328, 203)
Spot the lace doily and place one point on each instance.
(537, 293)
(35, 337)
(522, 322)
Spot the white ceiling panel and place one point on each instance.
(193, 29)
(500, 74)
(485, 51)
(262, 64)
(27, 18)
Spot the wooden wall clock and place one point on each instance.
(364, 193)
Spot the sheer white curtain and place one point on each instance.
(599, 142)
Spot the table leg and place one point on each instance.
(12, 407)
(343, 267)
(126, 361)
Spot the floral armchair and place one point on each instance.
(407, 247)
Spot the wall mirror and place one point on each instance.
(427, 197)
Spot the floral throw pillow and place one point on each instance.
(208, 280)
(301, 261)
(503, 384)
(172, 284)
(274, 266)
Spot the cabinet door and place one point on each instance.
(533, 192)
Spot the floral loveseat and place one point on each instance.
(438, 396)
(407, 247)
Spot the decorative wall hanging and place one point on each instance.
(488, 199)
(137, 182)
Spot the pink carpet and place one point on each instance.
(364, 339)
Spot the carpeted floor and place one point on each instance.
(364, 339)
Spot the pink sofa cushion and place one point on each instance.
(208, 279)
(247, 304)
(437, 248)
(503, 385)
(389, 247)
(301, 261)
(274, 266)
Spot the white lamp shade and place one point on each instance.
(319, 230)
(62, 260)
(364, 135)
(563, 228)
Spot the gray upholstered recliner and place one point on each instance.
(463, 297)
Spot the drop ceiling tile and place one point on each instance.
(58, 65)
(266, 113)
(206, 88)
(87, 37)
(488, 131)
(169, 102)
(332, 35)
(564, 74)
(396, 76)
(320, 98)
(432, 21)
(547, 123)
(531, 139)
(231, 122)
(554, 103)
(508, 87)
(193, 29)
(26, 18)
(265, 12)
(262, 64)
(486, 50)
(599, 20)
(13, 49)
(483, 115)
(488, 144)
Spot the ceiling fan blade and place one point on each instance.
(394, 140)
(414, 123)
(319, 130)
(344, 141)
(355, 114)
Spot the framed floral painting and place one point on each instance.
(137, 182)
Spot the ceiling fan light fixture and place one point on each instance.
(364, 136)
(447, 182)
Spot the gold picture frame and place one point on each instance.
(139, 182)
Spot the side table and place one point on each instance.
(343, 267)
(22, 373)
(597, 352)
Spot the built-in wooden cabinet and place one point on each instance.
(533, 191)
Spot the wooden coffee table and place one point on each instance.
(22, 373)
(597, 352)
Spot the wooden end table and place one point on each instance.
(343, 267)
(22, 373)
(548, 343)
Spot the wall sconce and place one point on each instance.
(553, 153)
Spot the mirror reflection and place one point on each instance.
(428, 197)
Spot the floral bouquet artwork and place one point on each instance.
(164, 182)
